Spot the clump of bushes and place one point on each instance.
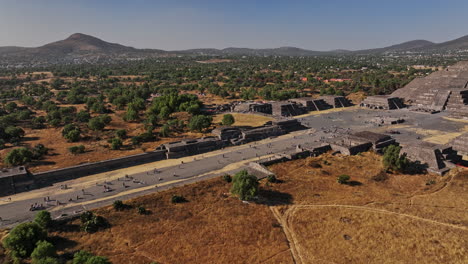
(143, 211)
(343, 179)
(76, 149)
(119, 205)
(91, 223)
(178, 199)
(227, 178)
(272, 178)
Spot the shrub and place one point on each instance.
(380, 177)
(77, 149)
(142, 210)
(43, 250)
(165, 131)
(119, 205)
(83, 116)
(228, 120)
(178, 199)
(227, 178)
(43, 219)
(121, 133)
(71, 132)
(272, 178)
(84, 257)
(46, 260)
(91, 223)
(39, 151)
(22, 239)
(343, 179)
(116, 143)
(245, 186)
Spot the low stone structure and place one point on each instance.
(434, 158)
(387, 120)
(386, 102)
(379, 141)
(227, 133)
(190, 147)
(287, 109)
(245, 107)
(16, 179)
(312, 104)
(288, 125)
(260, 133)
(460, 144)
(349, 145)
(336, 101)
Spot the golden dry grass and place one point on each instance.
(374, 238)
(245, 119)
(308, 215)
(210, 228)
(399, 220)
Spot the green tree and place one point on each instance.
(46, 260)
(71, 132)
(84, 257)
(392, 160)
(200, 122)
(43, 250)
(228, 120)
(165, 131)
(76, 149)
(83, 116)
(244, 185)
(116, 143)
(131, 114)
(14, 133)
(22, 239)
(164, 113)
(18, 156)
(96, 124)
(43, 219)
(121, 133)
(343, 179)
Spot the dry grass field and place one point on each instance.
(305, 218)
(244, 119)
(211, 227)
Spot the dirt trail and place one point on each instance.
(297, 258)
(364, 208)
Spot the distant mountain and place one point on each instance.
(456, 44)
(77, 48)
(81, 43)
(81, 48)
(403, 47)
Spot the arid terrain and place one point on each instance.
(307, 217)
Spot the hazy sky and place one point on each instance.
(183, 24)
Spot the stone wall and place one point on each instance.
(53, 176)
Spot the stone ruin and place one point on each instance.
(312, 104)
(360, 142)
(292, 107)
(336, 101)
(285, 108)
(434, 158)
(460, 144)
(445, 90)
(385, 102)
